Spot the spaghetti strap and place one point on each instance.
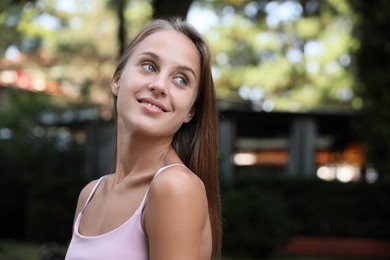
(92, 192)
(142, 205)
(168, 166)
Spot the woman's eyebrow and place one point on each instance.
(182, 67)
(155, 56)
(151, 54)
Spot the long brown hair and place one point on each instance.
(197, 141)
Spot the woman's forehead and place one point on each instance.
(172, 45)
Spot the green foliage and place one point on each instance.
(255, 222)
(40, 207)
(12, 249)
(20, 105)
(249, 51)
(373, 65)
(74, 47)
(276, 57)
(13, 205)
(39, 180)
(9, 15)
(261, 214)
(50, 208)
(18, 113)
(137, 14)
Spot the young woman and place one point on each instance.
(163, 200)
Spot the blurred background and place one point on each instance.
(303, 89)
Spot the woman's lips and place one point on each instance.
(153, 104)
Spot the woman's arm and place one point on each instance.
(175, 215)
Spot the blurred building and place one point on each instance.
(315, 143)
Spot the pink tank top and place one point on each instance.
(128, 241)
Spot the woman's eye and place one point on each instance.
(149, 67)
(181, 80)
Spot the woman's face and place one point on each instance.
(159, 84)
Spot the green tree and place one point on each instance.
(373, 78)
(10, 12)
(284, 55)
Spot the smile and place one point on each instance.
(152, 104)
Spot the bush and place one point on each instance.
(38, 208)
(50, 209)
(13, 192)
(260, 214)
(256, 222)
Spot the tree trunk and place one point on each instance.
(171, 8)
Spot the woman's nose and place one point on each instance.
(159, 84)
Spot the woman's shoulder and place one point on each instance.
(175, 192)
(178, 197)
(176, 188)
(87, 189)
(177, 180)
(85, 193)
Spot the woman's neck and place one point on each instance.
(138, 154)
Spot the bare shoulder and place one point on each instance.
(176, 214)
(178, 191)
(84, 195)
(87, 190)
(177, 182)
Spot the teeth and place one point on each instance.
(151, 105)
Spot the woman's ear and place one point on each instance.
(190, 115)
(115, 83)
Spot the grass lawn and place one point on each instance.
(16, 250)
